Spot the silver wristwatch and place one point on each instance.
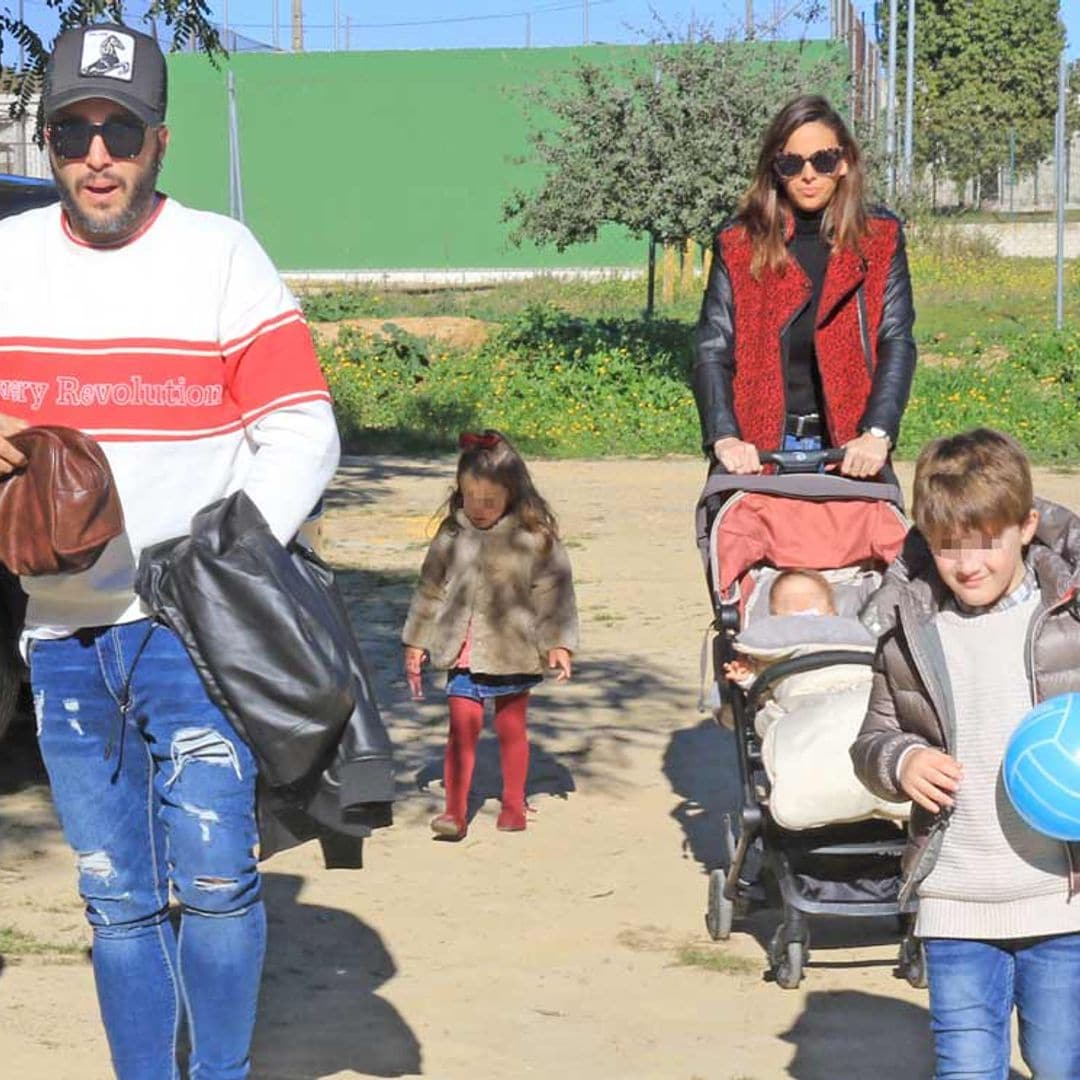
(880, 433)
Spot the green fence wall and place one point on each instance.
(375, 160)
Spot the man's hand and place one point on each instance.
(560, 659)
(414, 660)
(10, 458)
(738, 457)
(864, 456)
(931, 778)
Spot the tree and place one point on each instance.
(983, 68)
(664, 143)
(187, 22)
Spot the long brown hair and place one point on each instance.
(489, 455)
(765, 210)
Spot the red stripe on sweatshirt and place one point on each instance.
(147, 391)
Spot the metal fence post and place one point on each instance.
(890, 105)
(1059, 194)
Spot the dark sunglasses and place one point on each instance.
(823, 162)
(72, 138)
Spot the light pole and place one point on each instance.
(909, 104)
(1059, 174)
(890, 104)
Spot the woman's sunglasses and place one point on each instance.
(72, 138)
(823, 162)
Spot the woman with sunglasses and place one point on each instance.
(804, 339)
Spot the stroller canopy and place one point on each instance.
(809, 522)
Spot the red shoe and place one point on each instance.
(448, 827)
(510, 820)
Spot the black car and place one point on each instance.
(19, 193)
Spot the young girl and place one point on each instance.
(494, 604)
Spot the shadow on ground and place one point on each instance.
(360, 479)
(889, 1039)
(22, 773)
(565, 751)
(320, 1013)
(700, 764)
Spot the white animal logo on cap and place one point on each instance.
(108, 54)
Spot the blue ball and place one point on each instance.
(1041, 769)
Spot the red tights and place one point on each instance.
(466, 722)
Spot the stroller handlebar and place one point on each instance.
(792, 461)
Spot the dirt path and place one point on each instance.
(573, 950)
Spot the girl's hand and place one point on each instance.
(864, 456)
(738, 457)
(414, 660)
(931, 778)
(560, 658)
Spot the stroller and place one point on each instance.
(751, 527)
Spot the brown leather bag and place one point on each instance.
(60, 510)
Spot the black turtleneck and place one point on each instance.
(803, 380)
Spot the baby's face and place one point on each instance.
(800, 595)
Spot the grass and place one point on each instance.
(715, 959)
(18, 944)
(572, 369)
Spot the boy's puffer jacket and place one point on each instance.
(517, 591)
(910, 701)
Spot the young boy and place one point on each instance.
(979, 621)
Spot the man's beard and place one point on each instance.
(117, 224)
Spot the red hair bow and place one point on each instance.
(473, 440)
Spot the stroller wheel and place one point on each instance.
(788, 955)
(789, 972)
(721, 911)
(912, 962)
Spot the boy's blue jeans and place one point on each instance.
(974, 986)
(153, 787)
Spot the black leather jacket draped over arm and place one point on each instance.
(714, 355)
(895, 350)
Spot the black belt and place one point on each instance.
(807, 426)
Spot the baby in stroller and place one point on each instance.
(793, 592)
(795, 669)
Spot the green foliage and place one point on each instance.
(613, 297)
(982, 70)
(556, 384)
(664, 146)
(567, 381)
(1033, 393)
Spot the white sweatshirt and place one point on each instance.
(183, 353)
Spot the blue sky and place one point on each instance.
(440, 24)
(503, 22)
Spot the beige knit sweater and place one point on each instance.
(995, 877)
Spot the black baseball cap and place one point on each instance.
(107, 61)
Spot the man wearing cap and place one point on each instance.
(167, 335)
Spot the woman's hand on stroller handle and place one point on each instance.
(930, 778)
(865, 455)
(738, 457)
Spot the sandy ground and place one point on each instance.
(557, 953)
(460, 332)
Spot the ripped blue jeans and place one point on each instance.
(154, 790)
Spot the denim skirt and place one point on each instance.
(461, 682)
